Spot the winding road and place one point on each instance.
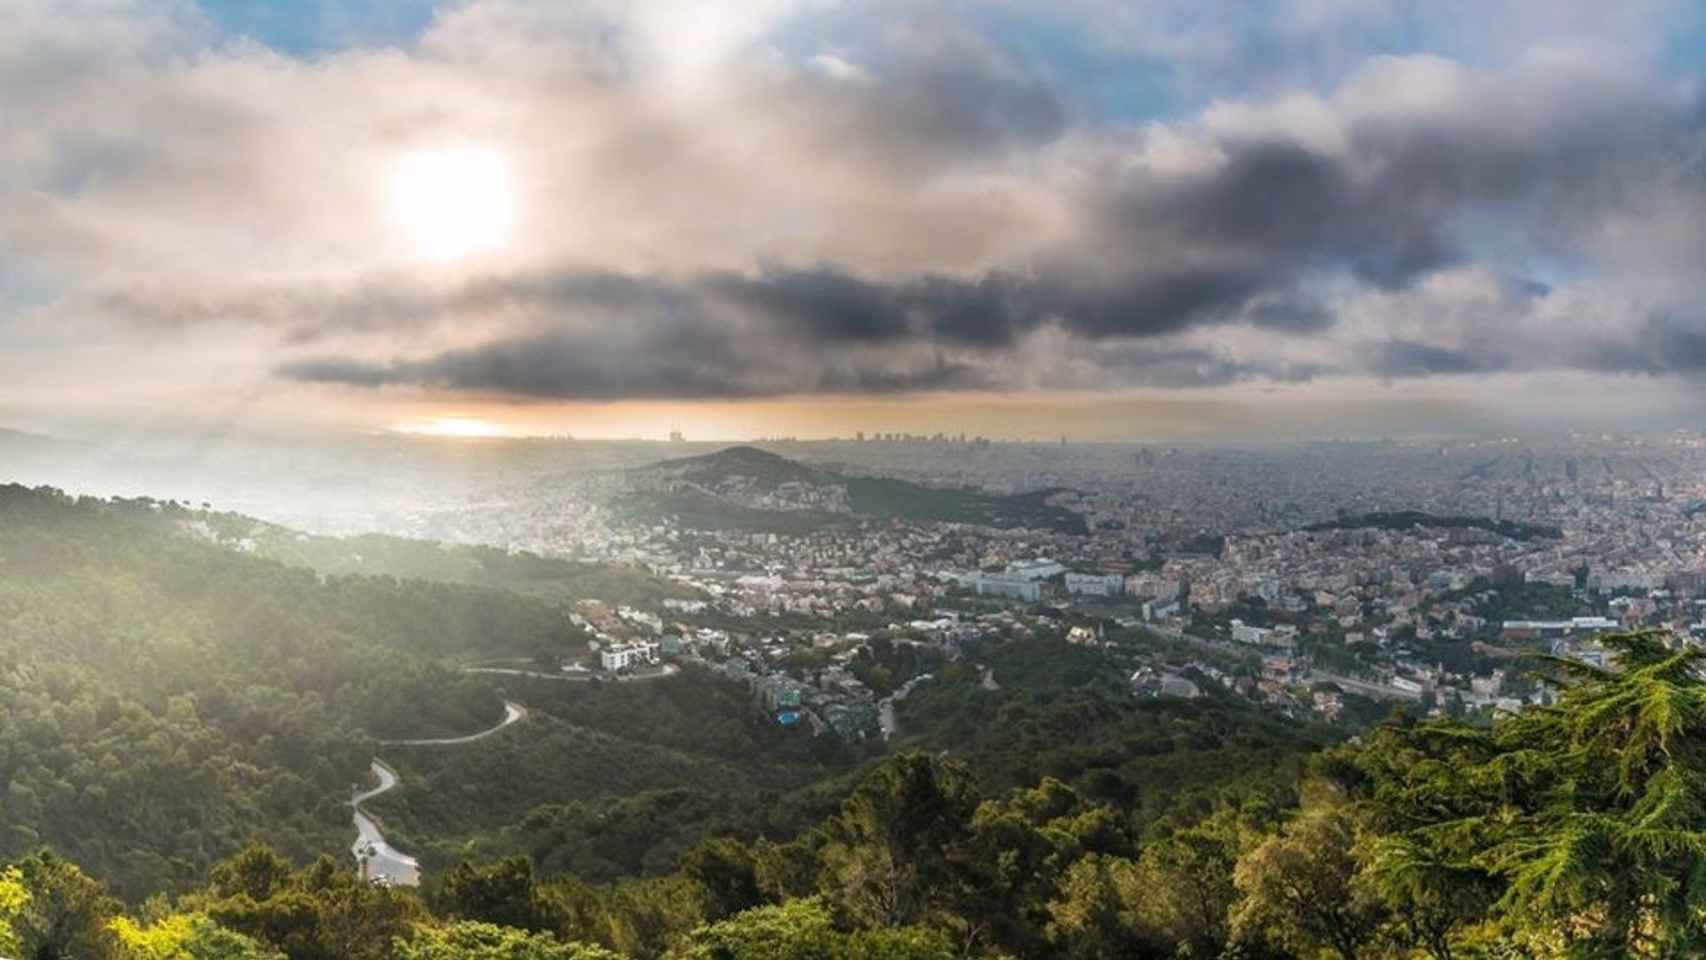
(667, 670)
(378, 861)
(512, 712)
(535, 674)
(886, 721)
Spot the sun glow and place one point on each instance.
(457, 427)
(452, 202)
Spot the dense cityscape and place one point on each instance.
(1298, 576)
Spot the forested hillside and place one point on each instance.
(706, 492)
(165, 702)
(550, 578)
(182, 723)
(1572, 831)
(1064, 711)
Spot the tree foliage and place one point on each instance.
(1579, 826)
(14, 897)
(471, 940)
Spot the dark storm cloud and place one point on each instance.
(995, 309)
(383, 304)
(1187, 367)
(1288, 210)
(1289, 314)
(685, 365)
(828, 304)
(1667, 342)
(831, 306)
(1407, 358)
(821, 330)
(822, 305)
(1675, 345)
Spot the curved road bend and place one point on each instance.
(536, 674)
(512, 712)
(379, 860)
(667, 670)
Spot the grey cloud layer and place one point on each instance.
(816, 330)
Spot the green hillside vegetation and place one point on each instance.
(769, 470)
(882, 497)
(1064, 712)
(166, 701)
(381, 555)
(608, 780)
(879, 498)
(1570, 831)
(696, 511)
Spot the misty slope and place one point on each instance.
(550, 578)
(165, 701)
(748, 488)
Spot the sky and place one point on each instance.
(1098, 219)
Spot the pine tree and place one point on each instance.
(1575, 829)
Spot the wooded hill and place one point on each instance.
(693, 489)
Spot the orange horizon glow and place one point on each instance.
(1142, 416)
(475, 427)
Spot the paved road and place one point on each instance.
(1363, 687)
(667, 670)
(885, 718)
(885, 708)
(381, 860)
(513, 712)
(535, 674)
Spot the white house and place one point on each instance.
(624, 655)
(1245, 633)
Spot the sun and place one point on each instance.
(452, 202)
